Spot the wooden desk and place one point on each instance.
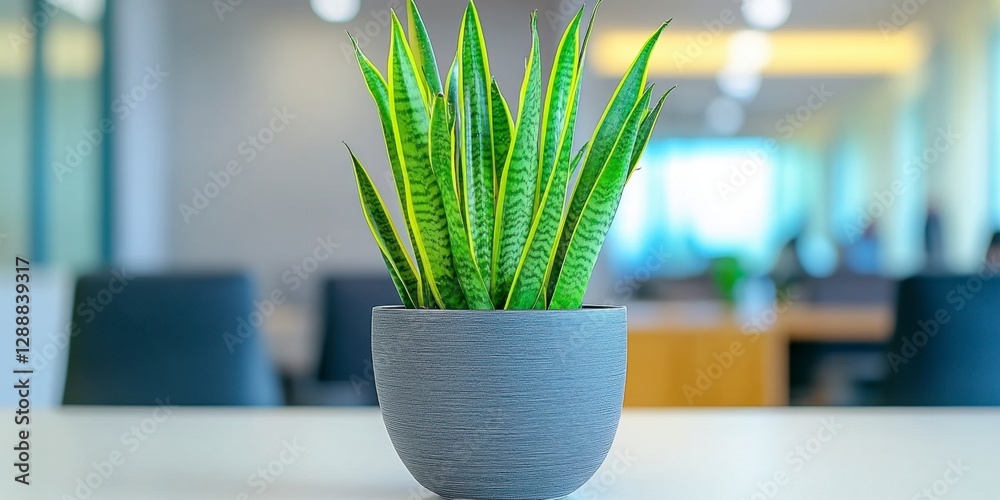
(835, 324)
(704, 354)
(699, 354)
(299, 454)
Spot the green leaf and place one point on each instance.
(442, 143)
(535, 264)
(605, 138)
(451, 86)
(451, 91)
(423, 51)
(503, 127)
(590, 31)
(596, 216)
(386, 237)
(546, 289)
(645, 132)
(541, 302)
(558, 96)
(563, 163)
(411, 121)
(515, 203)
(379, 91)
(477, 138)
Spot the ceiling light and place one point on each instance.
(766, 14)
(791, 53)
(749, 51)
(336, 11)
(738, 84)
(724, 116)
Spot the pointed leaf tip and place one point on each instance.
(395, 21)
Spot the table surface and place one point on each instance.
(798, 322)
(818, 453)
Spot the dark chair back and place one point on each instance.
(945, 350)
(142, 340)
(846, 288)
(347, 335)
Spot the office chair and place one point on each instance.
(347, 341)
(946, 343)
(142, 340)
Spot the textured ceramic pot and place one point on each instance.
(500, 404)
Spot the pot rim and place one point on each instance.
(585, 309)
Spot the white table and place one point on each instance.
(734, 454)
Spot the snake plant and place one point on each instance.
(485, 193)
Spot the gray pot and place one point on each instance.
(500, 404)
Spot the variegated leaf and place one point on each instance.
(379, 91)
(411, 120)
(601, 146)
(596, 216)
(477, 138)
(442, 143)
(386, 237)
(557, 98)
(503, 128)
(515, 204)
(645, 132)
(423, 51)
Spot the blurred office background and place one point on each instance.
(813, 157)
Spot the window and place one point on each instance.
(700, 199)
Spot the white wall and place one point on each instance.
(228, 76)
(143, 151)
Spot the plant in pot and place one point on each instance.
(495, 381)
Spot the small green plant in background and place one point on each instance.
(484, 192)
